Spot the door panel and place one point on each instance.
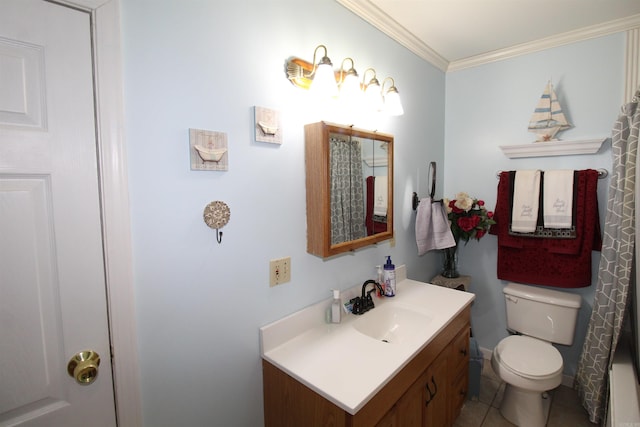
(52, 283)
(31, 351)
(22, 102)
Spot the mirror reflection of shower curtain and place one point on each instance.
(347, 190)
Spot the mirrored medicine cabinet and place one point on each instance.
(349, 180)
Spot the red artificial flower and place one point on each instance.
(468, 223)
(454, 208)
(469, 219)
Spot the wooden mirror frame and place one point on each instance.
(317, 166)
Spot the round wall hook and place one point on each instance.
(216, 215)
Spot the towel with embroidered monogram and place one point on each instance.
(526, 194)
(557, 199)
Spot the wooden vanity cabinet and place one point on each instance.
(429, 391)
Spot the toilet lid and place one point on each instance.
(529, 357)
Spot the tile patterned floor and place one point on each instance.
(566, 409)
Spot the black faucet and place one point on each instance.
(364, 303)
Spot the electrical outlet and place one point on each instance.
(279, 271)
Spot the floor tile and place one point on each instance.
(566, 410)
(487, 370)
(566, 396)
(488, 389)
(483, 411)
(495, 419)
(497, 400)
(472, 415)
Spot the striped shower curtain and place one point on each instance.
(614, 273)
(347, 191)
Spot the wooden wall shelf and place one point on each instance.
(553, 148)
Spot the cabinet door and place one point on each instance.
(459, 372)
(459, 394)
(389, 420)
(409, 409)
(460, 350)
(435, 393)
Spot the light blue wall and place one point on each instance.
(204, 64)
(489, 106)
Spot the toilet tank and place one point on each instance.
(542, 313)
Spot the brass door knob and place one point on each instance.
(83, 366)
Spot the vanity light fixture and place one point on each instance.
(324, 80)
(321, 79)
(392, 103)
(372, 91)
(349, 84)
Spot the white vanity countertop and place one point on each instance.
(345, 366)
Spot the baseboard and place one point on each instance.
(567, 380)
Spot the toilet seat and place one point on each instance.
(529, 357)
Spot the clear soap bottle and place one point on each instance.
(336, 307)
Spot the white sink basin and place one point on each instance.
(322, 355)
(392, 323)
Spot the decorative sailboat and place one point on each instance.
(548, 118)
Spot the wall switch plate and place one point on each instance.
(279, 271)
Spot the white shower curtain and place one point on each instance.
(614, 274)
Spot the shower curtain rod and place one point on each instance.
(602, 173)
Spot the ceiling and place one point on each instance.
(454, 34)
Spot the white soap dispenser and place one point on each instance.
(389, 278)
(336, 307)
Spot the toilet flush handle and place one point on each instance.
(512, 299)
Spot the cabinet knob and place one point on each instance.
(463, 351)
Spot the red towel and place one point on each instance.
(564, 263)
(373, 227)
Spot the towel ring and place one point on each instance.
(415, 201)
(432, 168)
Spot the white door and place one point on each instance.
(52, 281)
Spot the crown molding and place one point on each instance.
(383, 22)
(615, 26)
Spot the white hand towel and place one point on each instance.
(432, 227)
(526, 193)
(380, 196)
(557, 206)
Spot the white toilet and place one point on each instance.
(528, 363)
